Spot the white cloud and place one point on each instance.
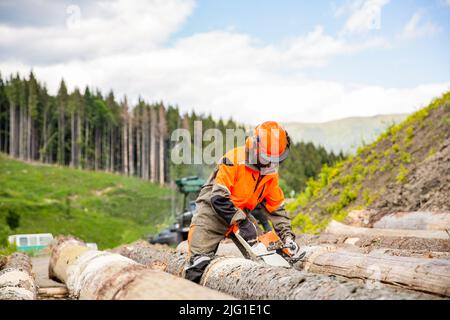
(117, 26)
(223, 72)
(415, 28)
(365, 15)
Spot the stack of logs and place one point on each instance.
(349, 261)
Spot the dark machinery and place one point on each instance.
(177, 232)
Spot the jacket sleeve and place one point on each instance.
(274, 204)
(221, 193)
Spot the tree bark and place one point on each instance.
(73, 139)
(125, 143)
(12, 130)
(162, 137)
(153, 145)
(425, 275)
(16, 279)
(246, 279)
(341, 229)
(78, 142)
(130, 141)
(91, 274)
(415, 221)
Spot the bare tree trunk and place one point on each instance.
(97, 275)
(125, 144)
(130, 142)
(61, 137)
(97, 149)
(138, 149)
(12, 130)
(78, 143)
(73, 139)
(21, 137)
(153, 174)
(162, 136)
(29, 138)
(43, 153)
(111, 149)
(87, 164)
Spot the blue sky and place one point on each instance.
(407, 63)
(252, 60)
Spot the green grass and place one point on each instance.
(97, 207)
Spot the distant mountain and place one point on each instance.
(345, 134)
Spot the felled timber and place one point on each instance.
(99, 275)
(374, 242)
(16, 278)
(337, 228)
(424, 275)
(246, 279)
(420, 220)
(415, 270)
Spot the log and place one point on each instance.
(374, 242)
(16, 278)
(246, 279)
(57, 292)
(337, 228)
(420, 220)
(424, 275)
(99, 275)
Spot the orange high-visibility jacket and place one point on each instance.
(236, 187)
(246, 185)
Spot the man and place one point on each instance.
(244, 178)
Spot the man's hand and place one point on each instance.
(293, 247)
(247, 230)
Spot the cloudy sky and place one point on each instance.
(287, 60)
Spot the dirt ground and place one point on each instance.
(40, 270)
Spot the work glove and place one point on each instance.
(248, 231)
(293, 248)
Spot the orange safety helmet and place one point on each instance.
(270, 142)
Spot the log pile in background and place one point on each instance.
(246, 279)
(337, 228)
(16, 278)
(420, 220)
(92, 274)
(425, 275)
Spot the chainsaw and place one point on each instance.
(268, 249)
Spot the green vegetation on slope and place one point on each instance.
(98, 207)
(359, 181)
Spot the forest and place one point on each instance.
(86, 129)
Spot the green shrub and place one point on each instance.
(396, 148)
(405, 157)
(402, 174)
(305, 224)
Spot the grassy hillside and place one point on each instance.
(345, 134)
(368, 178)
(98, 207)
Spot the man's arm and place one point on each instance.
(274, 204)
(221, 193)
(281, 223)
